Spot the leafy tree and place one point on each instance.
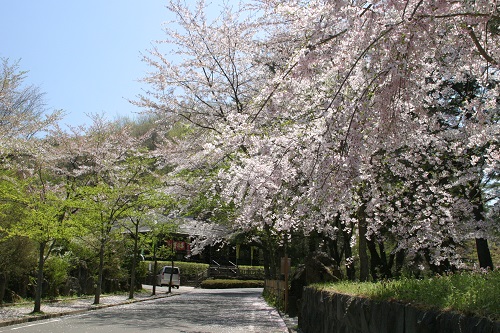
(17, 253)
(44, 220)
(147, 202)
(161, 227)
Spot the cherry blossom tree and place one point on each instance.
(23, 112)
(303, 104)
(28, 162)
(106, 165)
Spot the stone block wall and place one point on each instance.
(326, 312)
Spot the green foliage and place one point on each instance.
(251, 272)
(56, 271)
(251, 268)
(186, 268)
(141, 271)
(209, 206)
(226, 284)
(180, 130)
(39, 210)
(273, 300)
(466, 292)
(17, 253)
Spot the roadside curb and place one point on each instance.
(290, 322)
(34, 317)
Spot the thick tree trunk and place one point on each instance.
(313, 241)
(375, 261)
(482, 248)
(269, 253)
(483, 254)
(386, 266)
(39, 279)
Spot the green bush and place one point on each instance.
(56, 272)
(466, 292)
(251, 268)
(252, 272)
(186, 268)
(229, 283)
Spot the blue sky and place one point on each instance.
(84, 54)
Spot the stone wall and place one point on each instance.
(326, 312)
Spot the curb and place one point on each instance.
(32, 318)
(291, 323)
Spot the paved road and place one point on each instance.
(200, 311)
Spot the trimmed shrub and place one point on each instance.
(187, 268)
(228, 283)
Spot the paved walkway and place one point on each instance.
(10, 315)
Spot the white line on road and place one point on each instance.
(35, 324)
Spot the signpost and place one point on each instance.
(285, 270)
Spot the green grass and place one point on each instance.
(469, 293)
(231, 283)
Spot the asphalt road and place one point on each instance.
(199, 311)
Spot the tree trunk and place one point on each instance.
(313, 241)
(482, 248)
(363, 255)
(333, 243)
(171, 268)
(350, 269)
(3, 285)
(155, 268)
(39, 279)
(134, 263)
(386, 266)
(400, 258)
(483, 254)
(266, 262)
(98, 288)
(268, 251)
(375, 261)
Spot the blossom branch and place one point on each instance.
(479, 47)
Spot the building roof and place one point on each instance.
(187, 226)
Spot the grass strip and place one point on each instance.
(465, 292)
